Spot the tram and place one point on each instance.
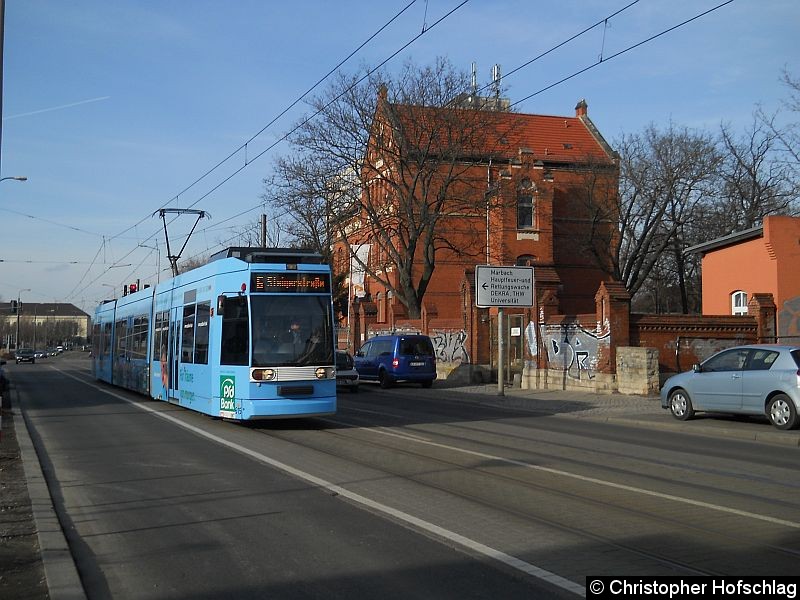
(249, 335)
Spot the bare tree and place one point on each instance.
(664, 177)
(787, 135)
(391, 162)
(756, 182)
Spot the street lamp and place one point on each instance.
(23, 178)
(113, 287)
(19, 308)
(158, 268)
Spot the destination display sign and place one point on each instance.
(503, 286)
(291, 282)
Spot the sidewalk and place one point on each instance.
(35, 559)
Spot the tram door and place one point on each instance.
(174, 351)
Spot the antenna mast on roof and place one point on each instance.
(474, 79)
(496, 81)
(162, 212)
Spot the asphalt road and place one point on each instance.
(404, 493)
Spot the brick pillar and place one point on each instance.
(762, 307)
(613, 303)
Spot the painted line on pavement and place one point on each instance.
(611, 484)
(465, 542)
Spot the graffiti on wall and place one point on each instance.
(450, 346)
(569, 347)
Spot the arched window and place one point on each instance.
(739, 303)
(526, 210)
(525, 260)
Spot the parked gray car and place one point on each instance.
(750, 380)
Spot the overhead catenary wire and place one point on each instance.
(602, 21)
(601, 60)
(285, 136)
(244, 145)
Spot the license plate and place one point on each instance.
(416, 364)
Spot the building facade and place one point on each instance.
(761, 260)
(43, 325)
(529, 190)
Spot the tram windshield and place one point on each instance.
(291, 331)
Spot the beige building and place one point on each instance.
(43, 325)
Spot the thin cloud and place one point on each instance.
(44, 110)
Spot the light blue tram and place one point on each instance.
(249, 335)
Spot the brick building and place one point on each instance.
(530, 190)
(761, 260)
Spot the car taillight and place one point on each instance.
(395, 363)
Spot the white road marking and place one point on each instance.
(451, 536)
(611, 484)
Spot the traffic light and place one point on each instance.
(14, 307)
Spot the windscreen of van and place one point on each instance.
(416, 347)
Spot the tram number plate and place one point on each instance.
(416, 364)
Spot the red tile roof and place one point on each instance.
(547, 138)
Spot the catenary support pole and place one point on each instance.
(500, 357)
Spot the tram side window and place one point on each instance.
(235, 332)
(106, 343)
(187, 339)
(201, 333)
(138, 345)
(96, 335)
(162, 337)
(121, 339)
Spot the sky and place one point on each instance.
(113, 110)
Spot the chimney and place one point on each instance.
(581, 109)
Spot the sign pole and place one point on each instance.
(500, 360)
(500, 286)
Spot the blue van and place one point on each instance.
(391, 358)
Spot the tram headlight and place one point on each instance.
(263, 374)
(325, 373)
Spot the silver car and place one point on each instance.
(749, 380)
(346, 375)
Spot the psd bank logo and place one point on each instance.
(227, 396)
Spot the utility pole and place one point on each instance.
(19, 310)
(263, 231)
(2, 42)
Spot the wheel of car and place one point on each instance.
(385, 380)
(782, 412)
(680, 405)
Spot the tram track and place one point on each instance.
(624, 513)
(489, 478)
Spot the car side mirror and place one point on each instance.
(696, 368)
(221, 305)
